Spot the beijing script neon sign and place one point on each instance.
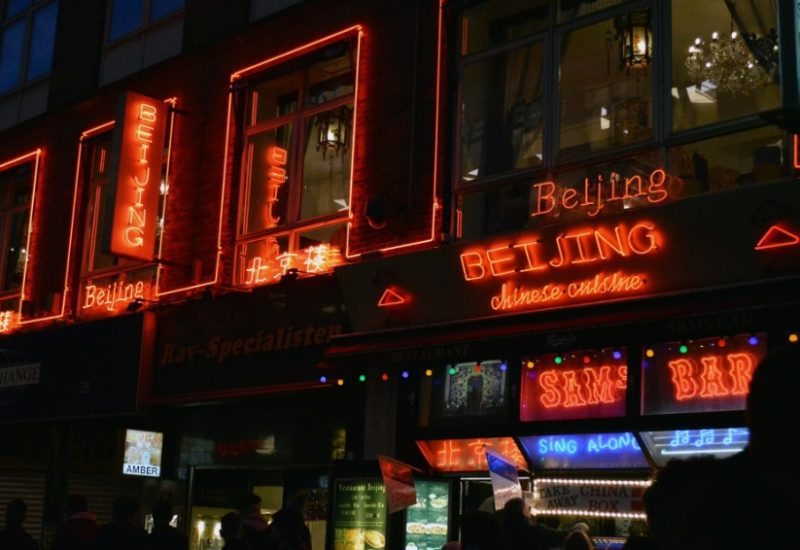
(114, 296)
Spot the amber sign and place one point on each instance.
(138, 152)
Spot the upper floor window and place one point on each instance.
(558, 99)
(296, 159)
(128, 16)
(16, 190)
(27, 36)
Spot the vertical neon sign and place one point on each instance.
(138, 151)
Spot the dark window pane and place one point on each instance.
(570, 9)
(326, 163)
(603, 102)
(501, 113)
(724, 60)
(499, 210)
(161, 8)
(16, 253)
(499, 21)
(11, 56)
(726, 162)
(43, 36)
(13, 7)
(126, 16)
(275, 98)
(332, 76)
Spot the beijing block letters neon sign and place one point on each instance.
(138, 152)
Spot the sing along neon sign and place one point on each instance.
(534, 256)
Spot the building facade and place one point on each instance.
(245, 242)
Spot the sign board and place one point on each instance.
(397, 478)
(427, 520)
(709, 374)
(573, 385)
(505, 482)
(682, 444)
(468, 455)
(668, 248)
(584, 451)
(136, 176)
(142, 453)
(359, 514)
(593, 498)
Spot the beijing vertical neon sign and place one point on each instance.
(138, 152)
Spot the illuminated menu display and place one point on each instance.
(359, 514)
(579, 384)
(426, 521)
(581, 451)
(711, 374)
(468, 455)
(664, 446)
(142, 453)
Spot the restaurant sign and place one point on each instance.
(587, 497)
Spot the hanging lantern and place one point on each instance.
(636, 40)
(334, 127)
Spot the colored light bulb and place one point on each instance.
(452, 371)
(384, 377)
(428, 372)
(404, 374)
(793, 338)
(617, 355)
(340, 382)
(323, 379)
(503, 366)
(362, 378)
(650, 353)
(753, 341)
(559, 360)
(683, 349)
(722, 343)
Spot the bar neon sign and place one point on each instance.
(138, 151)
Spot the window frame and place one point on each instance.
(27, 15)
(553, 161)
(146, 24)
(7, 213)
(243, 86)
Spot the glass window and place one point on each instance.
(13, 7)
(26, 43)
(295, 190)
(162, 8)
(128, 16)
(604, 100)
(724, 60)
(501, 113)
(571, 9)
(492, 23)
(16, 186)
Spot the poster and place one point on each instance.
(505, 482)
(142, 453)
(426, 521)
(475, 389)
(400, 491)
(359, 515)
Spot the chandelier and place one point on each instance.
(736, 64)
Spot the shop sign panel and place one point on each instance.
(584, 451)
(709, 374)
(589, 497)
(468, 455)
(691, 244)
(359, 515)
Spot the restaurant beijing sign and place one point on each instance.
(136, 177)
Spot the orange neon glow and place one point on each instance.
(465, 455)
(173, 101)
(311, 260)
(570, 388)
(551, 198)
(138, 177)
(9, 320)
(115, 296)
(391, 297)
(796, 156)
(777, 237)
(575, 247)
(276, 176)
(713, 380)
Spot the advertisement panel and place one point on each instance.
(359, 515)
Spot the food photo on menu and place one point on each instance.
(426, 521)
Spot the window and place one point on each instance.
(128, 16)
(561, 97)
(27, 36)
(296, 158)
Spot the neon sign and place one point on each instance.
(320, 258)
(603, 450)
(113, 296)
(138, 150)
(465, 455)
(597, 194)
(276, 176)
(687, 443)
(8, 320)
(589, 497)
(777, 237)
(711, 374)
(581, 384)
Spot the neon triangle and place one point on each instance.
(390, 298)
(776, 237)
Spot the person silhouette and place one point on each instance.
(736, 502)
(164, 536)
(13, 535)
(78, 529)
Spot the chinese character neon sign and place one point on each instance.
(311, 260)
(8, 320)
(710, 374)
(138, 149)
(466, 455)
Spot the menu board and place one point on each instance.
(710, 374)
(584, 451)
(721, 442)
(359, 515)
(142, 453)
(426, 521)
(575, 384)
